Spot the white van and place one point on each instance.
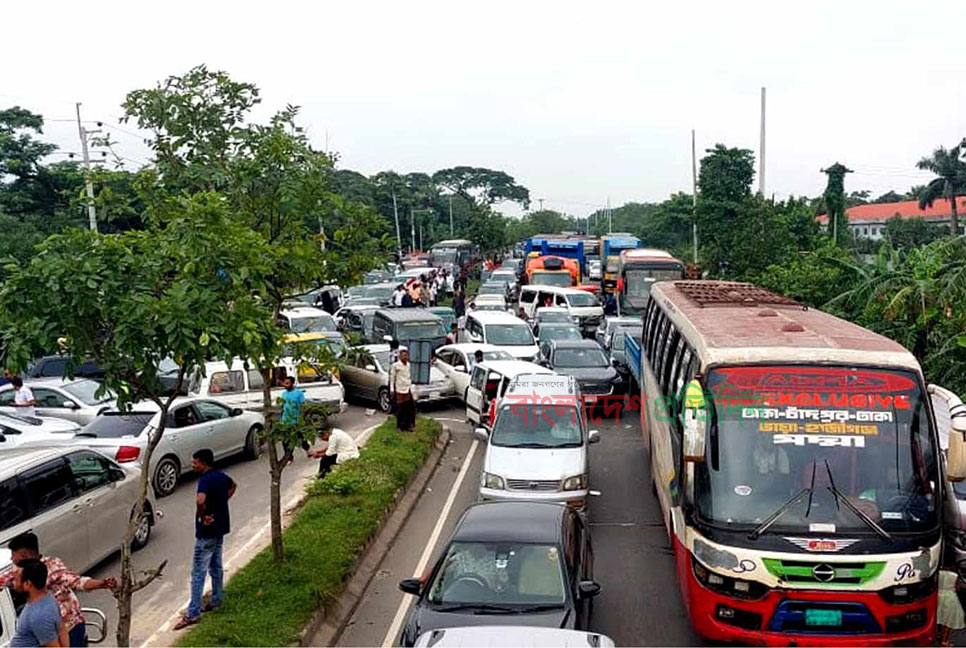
(307, 319)
(583, 306)
(489, 381)
(503, 330)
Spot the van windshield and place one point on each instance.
(582, 300)
(509, 335)
(525, 425)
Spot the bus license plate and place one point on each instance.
(823, 617)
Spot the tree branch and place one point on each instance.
(149, 576)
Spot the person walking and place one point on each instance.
(212, 524)
(340, 448)
(459, 303)
(39, 623)
(61, 584)
(292, 400)
(401, 384)
(23, 398)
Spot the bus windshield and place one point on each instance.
(444, 256)
(639, 281)
(839, 432)
(550, 278)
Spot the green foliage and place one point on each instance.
(913, 232)
(835, 202)
(482, 187)
(950, 182)
(267, 606)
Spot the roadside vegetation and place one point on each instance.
(268, 606)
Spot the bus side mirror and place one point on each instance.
(951, 423)
(695, 422)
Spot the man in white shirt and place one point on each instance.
(23, 398)
(401, 384)
(341, 448)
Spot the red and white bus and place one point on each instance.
(796, 460)
(637, 271)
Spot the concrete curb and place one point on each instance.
(326, 625)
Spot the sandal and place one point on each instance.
(186, 621)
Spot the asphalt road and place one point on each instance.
(173, 536)
(639, 603)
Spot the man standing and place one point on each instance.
(459, 303)
(453, 333)
(401, 383)
(212, 524)
(61, 583)
(292, 400)
(340, 449)
(39, 623)
(23, 398)
(477, 357)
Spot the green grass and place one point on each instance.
(267, 604)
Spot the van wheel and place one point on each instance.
(166, 476)
(143, 533)
(253, 443)
(383, 399)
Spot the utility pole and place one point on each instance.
(395, 212)
(761, 158)
(694, 199)
(412, 227)
(89, 186)
(610, 218)
(451, 216)
(540, 200)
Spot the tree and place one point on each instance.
(913, 232)
(481, 187)
(130, 301)
(724, 195)
(949, 183)
(835, 202)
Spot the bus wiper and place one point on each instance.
(862, 515)
(770, 520)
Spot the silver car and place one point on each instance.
(75, 500)
(17, 430)
(79, 400)
(366, 376)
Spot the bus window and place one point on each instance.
(655, 335)
(663, 335)
(670, 352)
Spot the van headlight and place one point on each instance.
(493, 482)
(577, 482)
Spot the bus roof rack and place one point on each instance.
(732, 293)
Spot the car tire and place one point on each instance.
(143, 532)
(166, 475)
(253, 443)
(383, 399)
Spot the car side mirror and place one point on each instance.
(695, 422)
(236, 411)
(480, 433)
(69, 404)
(593, 436)
(614, 362)
(370, 367)
(411, 586)
(588, 589)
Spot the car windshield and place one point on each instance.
(509, 334)
(778, 430)
(357, 291)
(559, 332)
(420, 330)
(639, 282)
(313, 324)
(308, 350)
(582, 300)
(559, 279)
(383, 358)
(113, 425)
(89, 392)
(506, 277)
(544, 316)
(498, 354)
(493, 289)
(499, 573)
(379, 292)
(523, 424)
(579, 358)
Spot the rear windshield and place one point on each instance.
(509, 335)
(419, 330)
(114, 425)
(89, 392)
(579, 358)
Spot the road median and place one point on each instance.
(270, 605)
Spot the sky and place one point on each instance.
(581, 102)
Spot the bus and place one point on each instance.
(637, 271)
(796, 462)
(455, 252)
(611, 245)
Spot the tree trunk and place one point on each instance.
(955, 216)
(276, 465)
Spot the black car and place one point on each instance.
(55, 366)
(508, 563)
(587, 362)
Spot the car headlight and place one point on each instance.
(494, 482)
(577, 482)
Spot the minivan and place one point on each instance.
(501, 329)
(488, 382)
(537, 449)
(583, 306)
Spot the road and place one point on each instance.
(639, 602)
(173, 536)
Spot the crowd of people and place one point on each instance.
(427, 289)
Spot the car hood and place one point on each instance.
(587, 311)
(589, 375)
(522, 352)
(535, 463)
(424, 619)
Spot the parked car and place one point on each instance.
(78, 400)
(587, 362)
(537, 450)
(526, 563)
(380, 293)
(488, 382)
(457, 360)
(55, 366)
(605, 330)
(406, 325)
(552, 331)
(582, 305)
(75, 499)
(307, 319)
(504, 635)
(16, 430)
(376, 277)
(192, 424)
(502, 330)
(366, 376)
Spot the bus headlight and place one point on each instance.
(726, 585)
(577, 482)
(907, 593)
(494, 482)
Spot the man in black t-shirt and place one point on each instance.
(212, 524)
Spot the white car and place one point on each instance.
(492, 302)
(594, 270)
(79, 400)
(498, 636)
(307, 319)
(18, 430)
(583, 306)
(489, 381)
(192, 424)
(457, 360)
(537, 449)
(504, 330)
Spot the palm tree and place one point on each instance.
(951, 172)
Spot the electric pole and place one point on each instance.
(761, 159)
(395, 212)
(694, 199)
(89, 186)
(540, 200)
(451, 216)
(610, 218)
(412, 227)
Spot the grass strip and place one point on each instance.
(268, 604)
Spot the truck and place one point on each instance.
(611, 246)
(556, 271)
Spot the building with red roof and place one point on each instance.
(868, 221)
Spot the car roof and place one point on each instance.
(511, 522)
(551, 309)
(514, 367)
(408, 314)
(374, 348)
(497, 317)
(470, 347)
(624, 320)
(150, 407)
(549, 326)
(48, 381)
(576, 344)
(16, 459)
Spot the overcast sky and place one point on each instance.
(580, 102)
